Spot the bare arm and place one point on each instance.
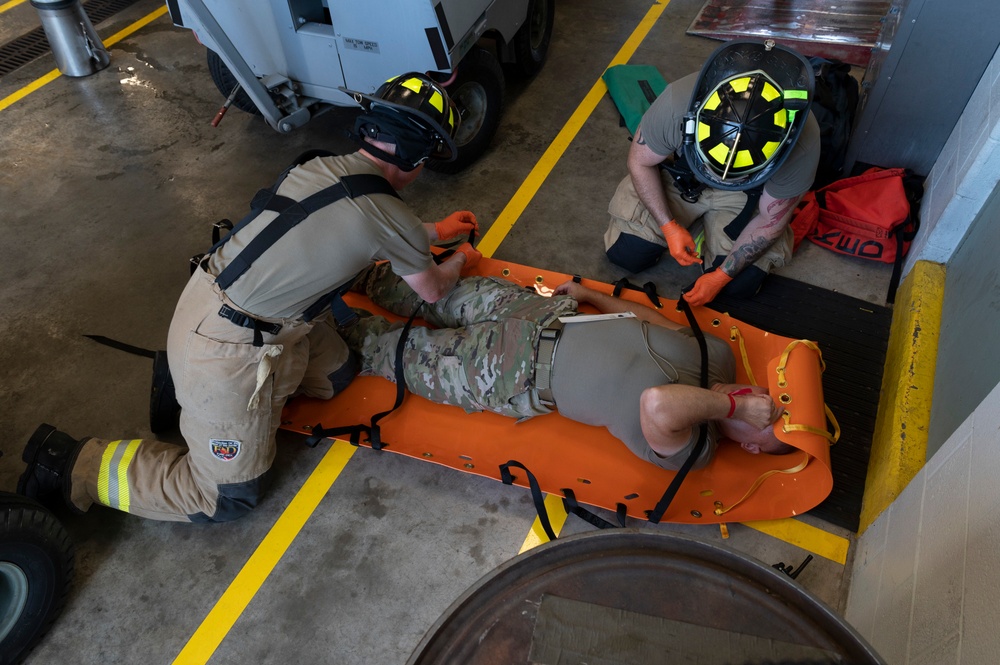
(668, 413)
(608, 304)
(435, 282)
(644, 168)
(431, 231)
(773, 216)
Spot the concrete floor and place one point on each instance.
(109, 184)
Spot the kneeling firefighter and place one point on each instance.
(735, 147)
(259, 320)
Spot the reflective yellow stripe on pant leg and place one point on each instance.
(112, 482)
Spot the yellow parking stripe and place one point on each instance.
(557, 518)
(258, 567)
(810, 538)
(54, 74)
(503, 224)
(10, 5)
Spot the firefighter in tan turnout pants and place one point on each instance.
(258, 321)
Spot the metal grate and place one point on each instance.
(32, 45)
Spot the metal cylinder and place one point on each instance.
(75, 44)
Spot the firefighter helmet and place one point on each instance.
(750, 103)
(413, 112)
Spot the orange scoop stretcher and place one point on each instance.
(596, 468)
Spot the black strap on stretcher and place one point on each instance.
(507, 478)
(372, 429)
(569, 498)
(648, 288)
(668, 496)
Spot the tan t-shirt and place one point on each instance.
(662, 128)
(329, 247)
(602, 367)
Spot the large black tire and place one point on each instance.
(225, 82)
(36, 572)
(478, 93)
(530, 44)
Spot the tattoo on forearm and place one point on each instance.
(777, 210)
(745, 255)
(762, 231)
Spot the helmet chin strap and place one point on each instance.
(395, 160)
(412, 145)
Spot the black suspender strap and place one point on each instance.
(290, 214)
(735, 227)
(342, 312)
(668, 496)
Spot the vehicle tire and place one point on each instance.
(478, 93)
(36, 571)
(530, 44)
(225, 82)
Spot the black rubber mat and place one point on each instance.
(853, 336)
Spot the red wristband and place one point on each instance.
(732, 400)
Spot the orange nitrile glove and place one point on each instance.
(681, 243)
(456, 224)
(707, 287)
(472, 255)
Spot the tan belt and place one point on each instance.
(545, 357)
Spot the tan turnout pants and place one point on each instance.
(231, 395)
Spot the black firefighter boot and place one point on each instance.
(50, 456)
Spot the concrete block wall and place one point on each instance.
(964, 175)
(925, 582)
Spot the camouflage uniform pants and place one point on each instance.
(480, 355)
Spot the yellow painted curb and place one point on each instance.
(899, 445)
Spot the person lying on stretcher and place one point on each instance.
(498, 347)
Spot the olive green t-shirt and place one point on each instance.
(329, 247)
(602, 367)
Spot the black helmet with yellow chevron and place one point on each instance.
(413, 112)
(748, 109)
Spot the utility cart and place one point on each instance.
(289, 59)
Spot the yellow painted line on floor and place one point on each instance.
(10, 5)
(55, 73)
(557, 519)
(808, 537)
(228, 609)
(503, 224)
